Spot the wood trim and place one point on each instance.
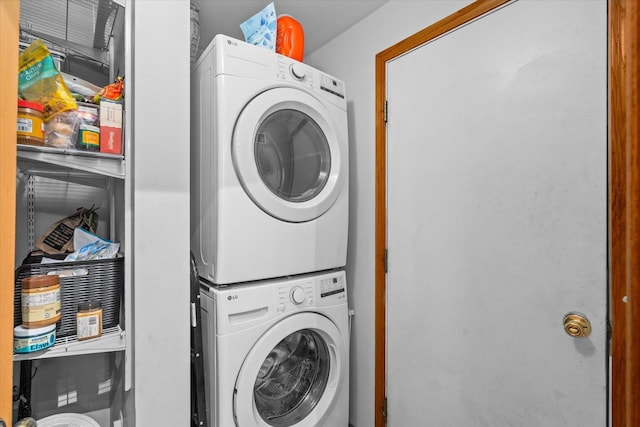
(381, 245)
(624, 199)
(624, 209)
(457, 19)
(9, 35)
(451, 22)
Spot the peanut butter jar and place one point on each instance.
(30, 126)
(41, 301)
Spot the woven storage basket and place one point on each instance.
(101, 280)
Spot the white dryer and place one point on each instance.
(277, 353)
(269, 165)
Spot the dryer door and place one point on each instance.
(289, 154)
(291, 375)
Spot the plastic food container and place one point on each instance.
(30, 125)
(89, 320)
(88, 129)
(62, 130)
(28, 340)
(68, 420)
(41, 301)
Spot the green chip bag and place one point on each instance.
(40, 81)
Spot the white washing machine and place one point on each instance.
(269, 165)
(277, 353)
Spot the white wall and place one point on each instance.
(351, 57)
(160, 202)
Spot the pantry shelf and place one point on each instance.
(53, 162)
(112, 339)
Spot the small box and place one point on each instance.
(110, 126)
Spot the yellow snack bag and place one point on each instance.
(39, 80)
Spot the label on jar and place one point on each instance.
(38, 306)
(29, 344)
(25, 126)
(89, 325)
(89, 137)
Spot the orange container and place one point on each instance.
(290, 38)
(30, 127)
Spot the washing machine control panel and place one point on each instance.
(296, 295)
(325, 290)
(332, 286)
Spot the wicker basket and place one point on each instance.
(101, 280)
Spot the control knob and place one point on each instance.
(297, 295)
(297, 71)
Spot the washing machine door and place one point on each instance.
(292, 374)
(289, 154)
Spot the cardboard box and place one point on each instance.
(110, 126)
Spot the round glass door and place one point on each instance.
(288, 154)
(292, 379)
(291, 374)
(292, 155)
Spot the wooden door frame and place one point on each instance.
(623, 200)
(9, 35)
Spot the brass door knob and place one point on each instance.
(577, 325)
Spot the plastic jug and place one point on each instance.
(290, 38)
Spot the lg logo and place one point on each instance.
(232, 43)
(232, 297)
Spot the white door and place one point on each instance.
(497, 221)
(288, 155)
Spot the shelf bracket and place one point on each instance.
(31, 212)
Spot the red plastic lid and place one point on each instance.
(30, 104)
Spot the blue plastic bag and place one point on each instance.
(260, 29)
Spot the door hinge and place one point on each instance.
(384, 411)
(386, 261)
(609, 331)
(385, 110)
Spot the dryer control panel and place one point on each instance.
(322, 84)
(238, 58)
(295, 72)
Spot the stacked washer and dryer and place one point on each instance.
(269, 220)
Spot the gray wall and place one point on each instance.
(351, 57)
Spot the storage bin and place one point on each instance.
(101, 280)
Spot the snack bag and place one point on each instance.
(113, 91)
(58, 238)
(39, 80)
